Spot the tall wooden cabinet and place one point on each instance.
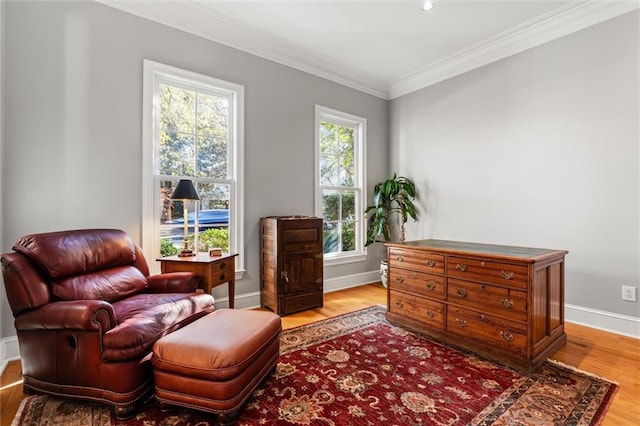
(504, 302)
(291, 256)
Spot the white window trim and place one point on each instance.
(153, 72)
(339, 117)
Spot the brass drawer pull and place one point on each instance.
(507, 337)
(507, 303)
(399, 303)
(507, 275)
(461, 267)
(430, 263)
(399, 258)
(431, 285)
(430, 313)
(400, 279)
(461, 293)
(284, 276)
(461, 323)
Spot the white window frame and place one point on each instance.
(323, 113)
(155, 73)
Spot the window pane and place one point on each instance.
(177, 154)
(347, 173)
(214, 195)
(329, 168)
(213, 219)
(328, 138)
(330, 205)
(348, 236)
(347, 207)
(177, 109)
(213, 113)
(212, 158)
(331, 238)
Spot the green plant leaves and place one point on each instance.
(396, 194)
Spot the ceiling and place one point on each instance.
(386, 48)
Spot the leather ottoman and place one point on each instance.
(215, 363)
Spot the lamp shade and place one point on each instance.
(185, 191)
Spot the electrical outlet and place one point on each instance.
(628, 293)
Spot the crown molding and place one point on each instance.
(551, 26)
(194, 18)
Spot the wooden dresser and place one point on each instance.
(506, 303)
(291, 262)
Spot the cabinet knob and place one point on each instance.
(222, 277)
(507, 303)
(461, 293)
(507, 337)
(461, 322)
(507, 275)
(431, 285)
(430, 313)
(222, 265)
(430, 263)
(461, 267)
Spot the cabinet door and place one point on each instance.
(302, 272)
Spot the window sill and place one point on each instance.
(344, 259)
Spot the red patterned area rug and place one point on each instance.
(357, 369)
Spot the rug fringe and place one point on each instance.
(18, 416)
(583, 372)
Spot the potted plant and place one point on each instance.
(391, 208)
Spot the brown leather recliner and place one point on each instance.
(87, 314)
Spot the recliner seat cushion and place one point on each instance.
(144, 318)
(110, 285)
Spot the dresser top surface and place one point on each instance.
(459, 247)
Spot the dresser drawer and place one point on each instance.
(417, 283)
(423, 310)
(417, 260)
(502, 333)
(503, 302)
(488, 271)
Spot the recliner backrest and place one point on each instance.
(99, 264)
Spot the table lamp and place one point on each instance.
(185, 191)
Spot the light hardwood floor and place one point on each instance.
(603, 354)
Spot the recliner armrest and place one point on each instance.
(173, 282)
(84, 315)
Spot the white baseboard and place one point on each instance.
(252, 300)
(9, 351)
(602, 320)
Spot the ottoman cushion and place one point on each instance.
(218, 346)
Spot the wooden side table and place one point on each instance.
(212, 270)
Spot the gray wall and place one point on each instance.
(73, 88)
(539, 149)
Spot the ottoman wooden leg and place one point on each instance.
(228, 419)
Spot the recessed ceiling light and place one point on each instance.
(427, 5)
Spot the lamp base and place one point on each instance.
(186, 251)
